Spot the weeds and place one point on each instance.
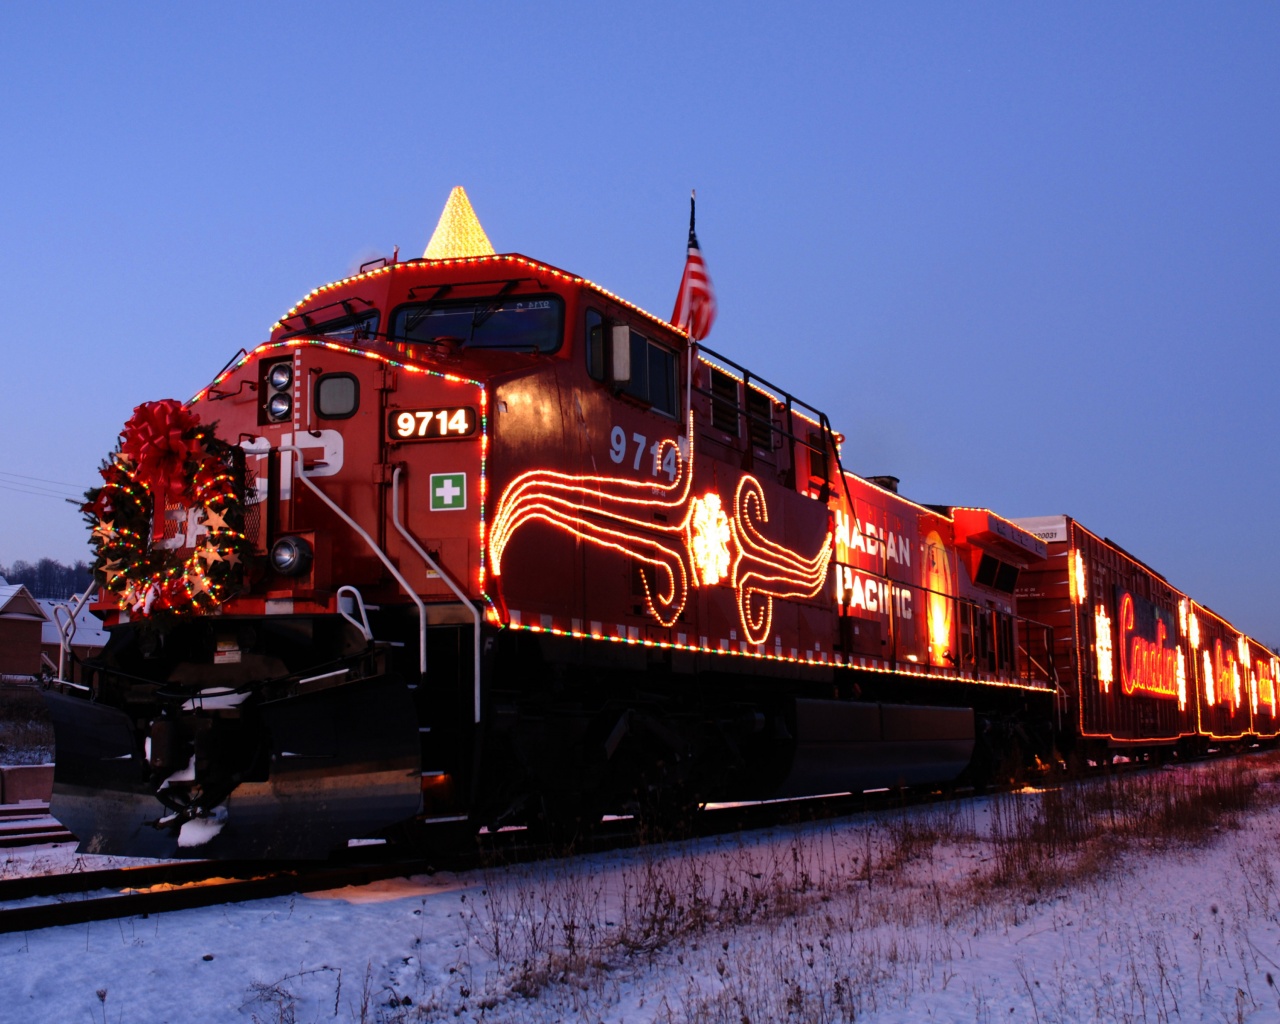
(1054, 837)
(985, 910)
(280, 1000)
(832, 923)
(26, 732)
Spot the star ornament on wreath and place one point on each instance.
(168, 458)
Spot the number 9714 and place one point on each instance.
(430, 424)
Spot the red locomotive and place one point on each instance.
(473, 539)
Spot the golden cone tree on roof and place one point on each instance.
(458, 233)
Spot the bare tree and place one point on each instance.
(49, 577)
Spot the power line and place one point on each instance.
(38, 479)
(43, 493)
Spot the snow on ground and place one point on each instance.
(1025, 908)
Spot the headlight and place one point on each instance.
(291, 556)
(279, 406)
(281, 376)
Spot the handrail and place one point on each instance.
(358, 599)
(1026, 652)
(448, 580)
(67, 630)
(300, 472)
(1020, 668)
(717, 357)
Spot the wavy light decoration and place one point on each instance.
(602, 510)
(693, 544)
(764, 570)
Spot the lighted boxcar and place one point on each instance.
(1142, 666)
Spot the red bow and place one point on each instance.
(153, 441)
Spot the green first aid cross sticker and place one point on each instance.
(448, 492)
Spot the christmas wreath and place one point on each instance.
(167, 458)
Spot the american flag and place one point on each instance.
(696, 302)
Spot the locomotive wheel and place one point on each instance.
(1012, 767)
(665, 806)
(430, 839)
(564, 820)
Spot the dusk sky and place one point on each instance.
(1025, 256)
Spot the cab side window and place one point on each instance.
(595, 345)
(337, 396)
(653, 374)
(653, 366)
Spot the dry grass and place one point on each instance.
(837, 921)
(845, 921)
(26, 733)
(1060, 834)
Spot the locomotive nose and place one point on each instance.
(295, 777)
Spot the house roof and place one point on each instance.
(16, 602)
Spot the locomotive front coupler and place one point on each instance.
(185, 754)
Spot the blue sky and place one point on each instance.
(1025, 256)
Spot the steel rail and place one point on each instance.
(206, 886)
(186, 885)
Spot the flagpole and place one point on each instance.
(688, 390)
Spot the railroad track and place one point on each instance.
(47, 901)
(127, 892)
(31, 903)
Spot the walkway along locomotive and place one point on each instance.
(470, 538)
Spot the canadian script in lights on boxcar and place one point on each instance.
(1146, 664)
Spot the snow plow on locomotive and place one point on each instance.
(472, 539)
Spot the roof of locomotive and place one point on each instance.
(430, 270)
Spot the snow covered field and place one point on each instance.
(1150, 898)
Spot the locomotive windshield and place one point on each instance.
(530, 323)
(347, 328)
